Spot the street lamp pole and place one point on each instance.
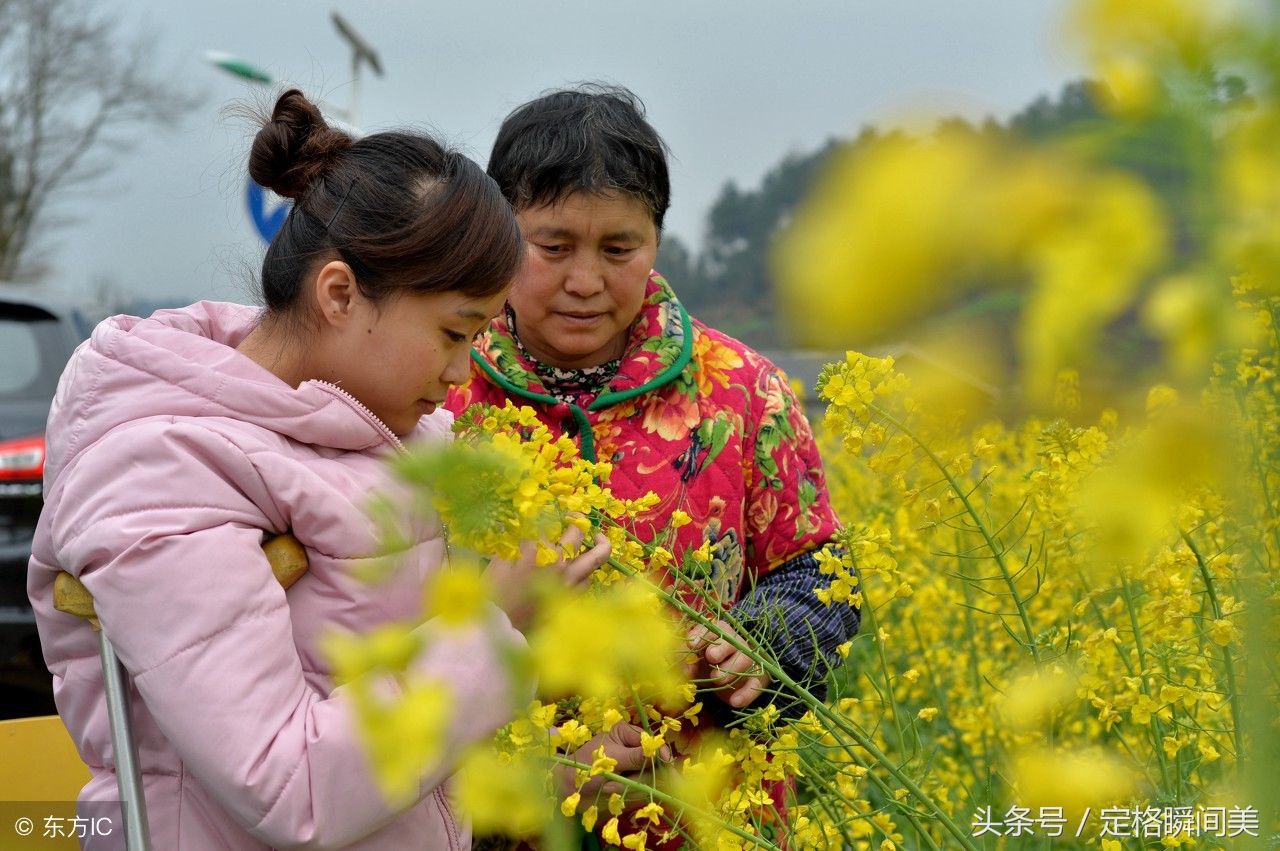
(362, 53)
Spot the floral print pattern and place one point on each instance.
(695, 416)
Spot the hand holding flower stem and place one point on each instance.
(821, 710)
(736, 676)
(515, 582)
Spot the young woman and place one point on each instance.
(177, 443)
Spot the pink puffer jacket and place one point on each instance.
(170, 457)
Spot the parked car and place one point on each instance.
(37, 336)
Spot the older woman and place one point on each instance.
(599, 345)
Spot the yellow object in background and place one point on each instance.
(40, 777)
(40, 761)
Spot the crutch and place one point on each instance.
(288, 563)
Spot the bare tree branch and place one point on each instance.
(72, 88)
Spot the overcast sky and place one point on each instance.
(732, 85)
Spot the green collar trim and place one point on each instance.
(505, 383)
(677, 366)
(608, 398)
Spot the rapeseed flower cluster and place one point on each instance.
(403, 718)
(1082, 240)
(504, 481)
(614, 653)
(1060, 612)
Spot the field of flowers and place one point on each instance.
(1070, 595)
(1071, 628)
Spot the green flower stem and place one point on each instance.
(869, 616)
(1102, 619)
(1157, 729)
(1228, 661)
(996, 552)
(822, 710)
(644, 716)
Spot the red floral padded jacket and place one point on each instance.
(695, 416)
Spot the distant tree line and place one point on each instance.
(728, 282)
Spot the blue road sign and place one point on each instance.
(267, 221)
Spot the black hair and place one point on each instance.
(591, 138)
(405, 212)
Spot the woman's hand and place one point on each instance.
(576, 572)
(736, 678)
(515, 582)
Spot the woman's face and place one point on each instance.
(583, 281)
(400, 357)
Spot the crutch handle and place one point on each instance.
(288, 561)
(70, 596)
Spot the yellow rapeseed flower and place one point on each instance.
(610, 832)
(601, 762)
(502, 795)
(569, 806)
(1072, 779)
(586, 645)
(458, 595)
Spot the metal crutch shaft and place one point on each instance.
(70, 596)
(133, 804)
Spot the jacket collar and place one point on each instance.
(659, 345)
(183, 363)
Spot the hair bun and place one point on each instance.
(295, 146)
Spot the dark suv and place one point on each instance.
(37, 337)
